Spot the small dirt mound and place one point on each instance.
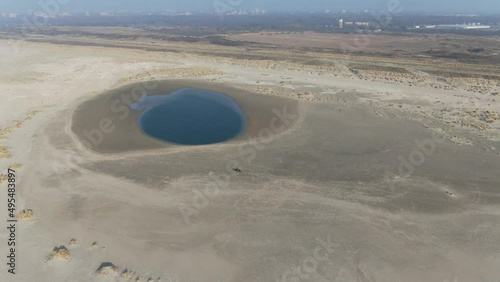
(108, 269)
(25, 214)
(59, 253)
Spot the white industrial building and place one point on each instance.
(455, 26)
(462, 26)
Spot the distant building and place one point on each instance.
(477, 27)
(357, 23)
(341, 23)
(458, 26)
(362, 23)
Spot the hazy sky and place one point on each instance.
(463, 6)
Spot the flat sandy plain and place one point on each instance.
(385, 169)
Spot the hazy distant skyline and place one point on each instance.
(438, 6)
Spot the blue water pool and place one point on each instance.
(190, 116)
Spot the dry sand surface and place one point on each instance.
(376, 174)
(385, 43)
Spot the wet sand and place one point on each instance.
(106, 124)
(333, 177)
